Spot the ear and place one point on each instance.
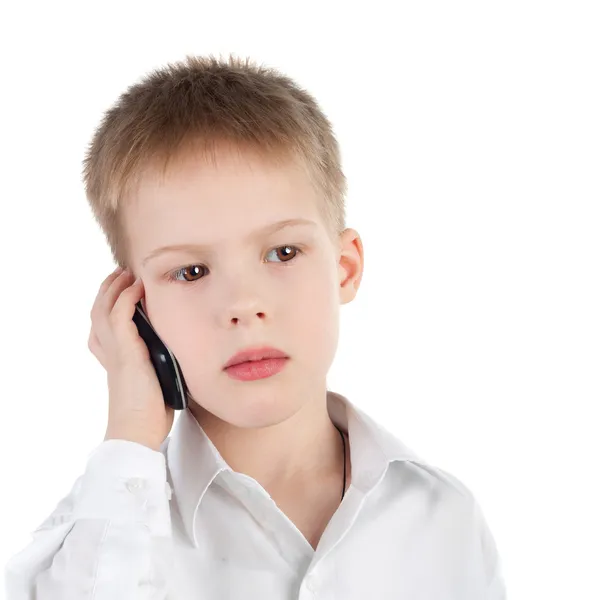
(351, 264)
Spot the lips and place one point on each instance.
(251, 354)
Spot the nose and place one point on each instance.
(236, 319)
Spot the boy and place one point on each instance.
(218, 185)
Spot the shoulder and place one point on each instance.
(450, 481)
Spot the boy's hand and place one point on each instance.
(137, 411)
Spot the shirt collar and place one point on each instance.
(194, 462)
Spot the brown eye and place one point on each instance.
(286, 253)
(192, 270)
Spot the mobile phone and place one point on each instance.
(168, 371)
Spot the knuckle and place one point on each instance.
(96, 311)
(113, 317)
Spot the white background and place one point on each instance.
(470, 134)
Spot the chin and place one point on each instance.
(247, 411)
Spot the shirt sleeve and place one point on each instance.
(108, 539)
(496, 589)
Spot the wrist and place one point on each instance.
(138, 439)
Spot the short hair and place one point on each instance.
(204, 102)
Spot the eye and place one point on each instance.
(288, 253)
(193, 268)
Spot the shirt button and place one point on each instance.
(135, 483)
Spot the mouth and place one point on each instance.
(250, 355)
(256, 369)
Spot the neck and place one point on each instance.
(302, 452)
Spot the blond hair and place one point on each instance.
(203, 102)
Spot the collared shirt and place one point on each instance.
(180, 524)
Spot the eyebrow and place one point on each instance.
(267, 230)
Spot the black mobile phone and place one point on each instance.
(167, 368)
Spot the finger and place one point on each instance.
(124, 308)
(104, 287)
(106, 301)
(114, 290)
(109, 279)
(102, 322)
(96, 348)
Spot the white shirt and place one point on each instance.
(179, 524)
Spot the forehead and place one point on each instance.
(211, 200)
(223, 174)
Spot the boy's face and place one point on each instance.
(244, 291)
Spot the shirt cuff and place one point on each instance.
(125, 481)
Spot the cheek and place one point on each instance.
(315, 318)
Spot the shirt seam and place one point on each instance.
(104, 536)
